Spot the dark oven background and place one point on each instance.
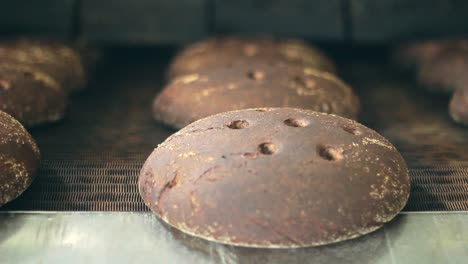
(176, 21)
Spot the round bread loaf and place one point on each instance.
(249, 85)
(58, 60)
(447, 71)
(19, 158)
(216, 52)
(29, 95)
(275, 178)
(441, 66)
(413, 55)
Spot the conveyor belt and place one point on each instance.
(92, 159)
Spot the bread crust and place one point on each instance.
(221, 51)
(19, 158)
(30, 95)
(57, 60)
(275, 178)
(252, 84)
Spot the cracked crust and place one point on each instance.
(57, 60)
(29, 95)
(280, 178)
(19, 158)
(215, 52)
(247, 85)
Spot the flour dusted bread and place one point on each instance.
(58, 60)
(30, 95)
(222, 51)
(19, 158)
(249, 85)
(275, 178)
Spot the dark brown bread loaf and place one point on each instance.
(58, 60)
(276, 178)
(249, 85)
(449, 72)
(441, 66)
(29, 95)
(445, 72)
(216, 52)
(413, 55)
(19, 158)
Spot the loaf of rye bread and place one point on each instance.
(222, 51)
(58, 60)
(275, 178)
(19, 158)
(448, 72)
(30, 95)
(441, 66)
(245, 84)
(410, 56)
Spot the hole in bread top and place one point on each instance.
(267, 148)
(296, 122)
(330, 153)
(238, 124)
(256, 75)
(351, 129)
(305, 82)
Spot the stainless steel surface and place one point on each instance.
(98, 237)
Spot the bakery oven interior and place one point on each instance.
(84, 204)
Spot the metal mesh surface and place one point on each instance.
(91, 160)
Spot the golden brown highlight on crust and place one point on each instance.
(57, 60)
(35, 72)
